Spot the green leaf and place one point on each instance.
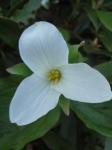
(9, 31)
(16, 139)
(93, 17)
(65, 105)
(7, 89)
(12, 136)
(106, 38)
(105, 69)
(74, 54)
(20, 69)
(22, 15)
(95, 116)
(14, 3)
(105, 18)
(65, 33)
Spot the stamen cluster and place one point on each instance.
(54, 75)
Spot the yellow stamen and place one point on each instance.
(54, 75)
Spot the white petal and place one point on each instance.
(82, 83)
(33, 99)
(42, 46)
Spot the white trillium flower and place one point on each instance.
(45, 52)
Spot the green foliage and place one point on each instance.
(14, 3)
(53, 141)
(65, 33)
(74, 54)
(97, 117)
(106, 69)
(105, 18)
(19, 69)
(19, 136)
(22, 15)
(93, 17)
(65, 105)
(106, 36)
(9, 31)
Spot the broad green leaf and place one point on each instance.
(65, 105)
(9, 31)
(105, 69)
(12, 136)
(65, 33)
(106, 19)
(19, 69)
(23, 14)
(106, 38)
(7, 89)
(93, 17)
(95, 116)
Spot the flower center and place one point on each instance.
(54, 75)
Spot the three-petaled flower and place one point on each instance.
(45, 52)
